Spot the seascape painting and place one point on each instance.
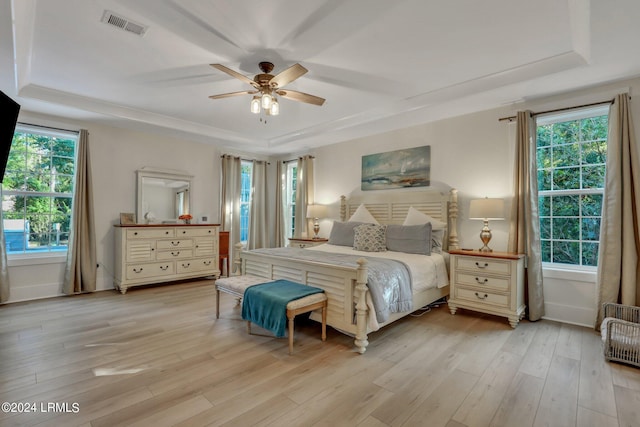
(405, 168)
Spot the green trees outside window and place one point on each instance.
(37, 191)
(571, 157)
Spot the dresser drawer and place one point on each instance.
(143, 271)
(174, 254)
(484, 265)
(196, 231)
(197, 265)
(482, 297)
(174, 244)
(149, 233)
(140, 251)
(480, 281)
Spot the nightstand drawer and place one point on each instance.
(484, 265)
(482, 297)
(481, 281)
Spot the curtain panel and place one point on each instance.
(4, 267)
(304, 195)
(231, 183)
(618, 273)
(81, 268)
(524, 234)
(258, 237)
(281, 191)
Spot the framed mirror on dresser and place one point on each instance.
(163, 195)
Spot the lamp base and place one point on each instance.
(316, 228)
(485, 236)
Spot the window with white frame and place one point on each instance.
(37, 191)
(290, 197)
(245, 199)
(571, 151)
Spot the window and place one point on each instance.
(245, 200)
(571, 151)
(290, 194)
(38, 191)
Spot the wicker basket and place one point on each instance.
(621, 333)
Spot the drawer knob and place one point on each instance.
(482, 266)
(482, 281)
(166, 232)
(138, 270)
(135, 233)
(481, 297)
(184, 232)
(164, 267)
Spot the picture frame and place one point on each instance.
(399, 169)
(127, 218)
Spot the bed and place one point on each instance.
(351, 306)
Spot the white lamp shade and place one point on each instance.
(275, 108)
(486, 209)
(266, 101)
(317, 211)
(255, 105)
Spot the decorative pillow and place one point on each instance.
(411, 239)
(437, 236)
(342, 233)
(370, 238)
(415, 217)
(362, 214)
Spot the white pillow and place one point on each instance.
(363, 215)
(415, 217)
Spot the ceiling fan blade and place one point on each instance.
(227, 95)
(235, 74)
(301, 96)
(287, 76)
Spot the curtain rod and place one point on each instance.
(296, 159)
(511, 118)
(245, 160)
(48, 127)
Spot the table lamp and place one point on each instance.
(486, 209)
(316, 212)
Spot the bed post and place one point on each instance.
(343, 208)
(361, 341)
(454, 243)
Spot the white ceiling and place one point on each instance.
(380, 64)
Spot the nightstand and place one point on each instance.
(295, 242)
(488, 282)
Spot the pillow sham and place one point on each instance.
(343, 233)
(362, 214)
(437, 236)
(415, 217)
(411, 239)
(370, 238)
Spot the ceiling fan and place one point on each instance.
(267, 86)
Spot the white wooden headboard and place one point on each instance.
(392, 208)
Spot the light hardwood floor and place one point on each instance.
(158, 357)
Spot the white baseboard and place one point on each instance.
(33, 292)
(570, 314)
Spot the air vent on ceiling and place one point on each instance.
(123, 23)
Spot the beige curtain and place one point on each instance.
(281, 191)
(618, 278)
(258, 229)
(81, 269)
(524, 235)
(304, 195)
(231, 182)
(4, 268)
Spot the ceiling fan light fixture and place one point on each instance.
(255, 105)
(267, 99)
(275, 107)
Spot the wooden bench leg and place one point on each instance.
(291, 317)
(217, 303)
(324, 322)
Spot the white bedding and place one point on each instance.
(426, 271)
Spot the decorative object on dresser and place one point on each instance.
(295, 242)
(127, 218)
(491, 283)
(146, 254)
(316, 212)
(486, 209)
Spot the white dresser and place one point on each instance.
(491, 283)
(147, 254)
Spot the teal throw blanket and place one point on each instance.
(266, 304)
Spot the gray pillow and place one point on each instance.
(342, 233)
(411, 239)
